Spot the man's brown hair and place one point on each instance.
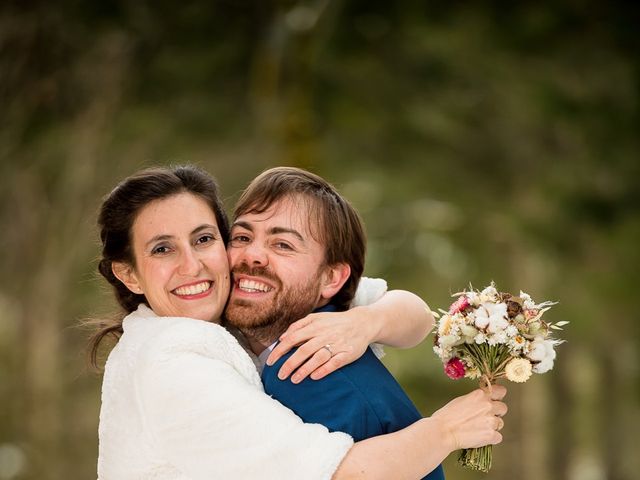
(333, 221)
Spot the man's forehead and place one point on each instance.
(293, 212)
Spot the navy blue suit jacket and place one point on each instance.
(362, 399)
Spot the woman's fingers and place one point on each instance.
(475, 419)
(334, 363)
(320, 358)
(497, 392)
(499, 408)
(292, 338)
(305, 352)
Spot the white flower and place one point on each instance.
(480, 338)
(512, 331)
(499, 338)
(489, 292)
(488, 313)
(518, 370)
(541, 349)
(492, 315)
(518, 343)
(482, 320)
(444, 325)
(447, 340)
(527, 303)
(474, 298)
(537, 350)
(498, 324)
(468, 332)
(544, 366)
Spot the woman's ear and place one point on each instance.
(125, 273)
(333, 279)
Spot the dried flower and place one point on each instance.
(454, 368)
(518, 370)
(459, 305)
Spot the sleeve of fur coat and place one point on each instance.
(369, 291)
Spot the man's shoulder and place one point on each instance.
(362, 380)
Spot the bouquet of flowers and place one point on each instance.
(488, 335)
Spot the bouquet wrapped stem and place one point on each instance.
(491, 361)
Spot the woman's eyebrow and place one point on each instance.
(205, 226)
(158, 238)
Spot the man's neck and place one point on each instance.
(260, 338)
(257, 346)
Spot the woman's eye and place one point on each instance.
(159, 250)
(283, 246)
(205, 239)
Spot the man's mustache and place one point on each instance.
(263, 272)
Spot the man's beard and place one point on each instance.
(266, 321)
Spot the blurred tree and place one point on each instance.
(491, 140)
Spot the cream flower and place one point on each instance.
(537, 350)
(518, 370)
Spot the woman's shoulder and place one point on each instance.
(155, 335)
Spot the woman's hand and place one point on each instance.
(473, 420)
(327, 340)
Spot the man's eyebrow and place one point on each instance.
(272, 231)
(242, 224)
(279, 230)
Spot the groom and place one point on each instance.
(298, 247)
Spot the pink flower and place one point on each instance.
(454, 369)
(531, 313)
(459, 305)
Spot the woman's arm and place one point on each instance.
(470, 421)
(206, 419)
(397, 318)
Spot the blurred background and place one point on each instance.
(479, 140)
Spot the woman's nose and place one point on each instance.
(190, 264)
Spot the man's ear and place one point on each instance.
(125, 273)
(333, 278)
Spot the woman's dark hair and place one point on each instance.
(117, 215)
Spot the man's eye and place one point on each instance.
(283, 246)
(240, 239)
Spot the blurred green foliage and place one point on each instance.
(480, 141)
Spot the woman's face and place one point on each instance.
(181, 264)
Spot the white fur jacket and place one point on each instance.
(181, 400)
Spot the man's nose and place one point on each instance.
(190, 263)
(255, 255)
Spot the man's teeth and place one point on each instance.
(253, 286)
(193, 289)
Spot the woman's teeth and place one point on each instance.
(193, 289)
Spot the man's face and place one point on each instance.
(277, 267)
